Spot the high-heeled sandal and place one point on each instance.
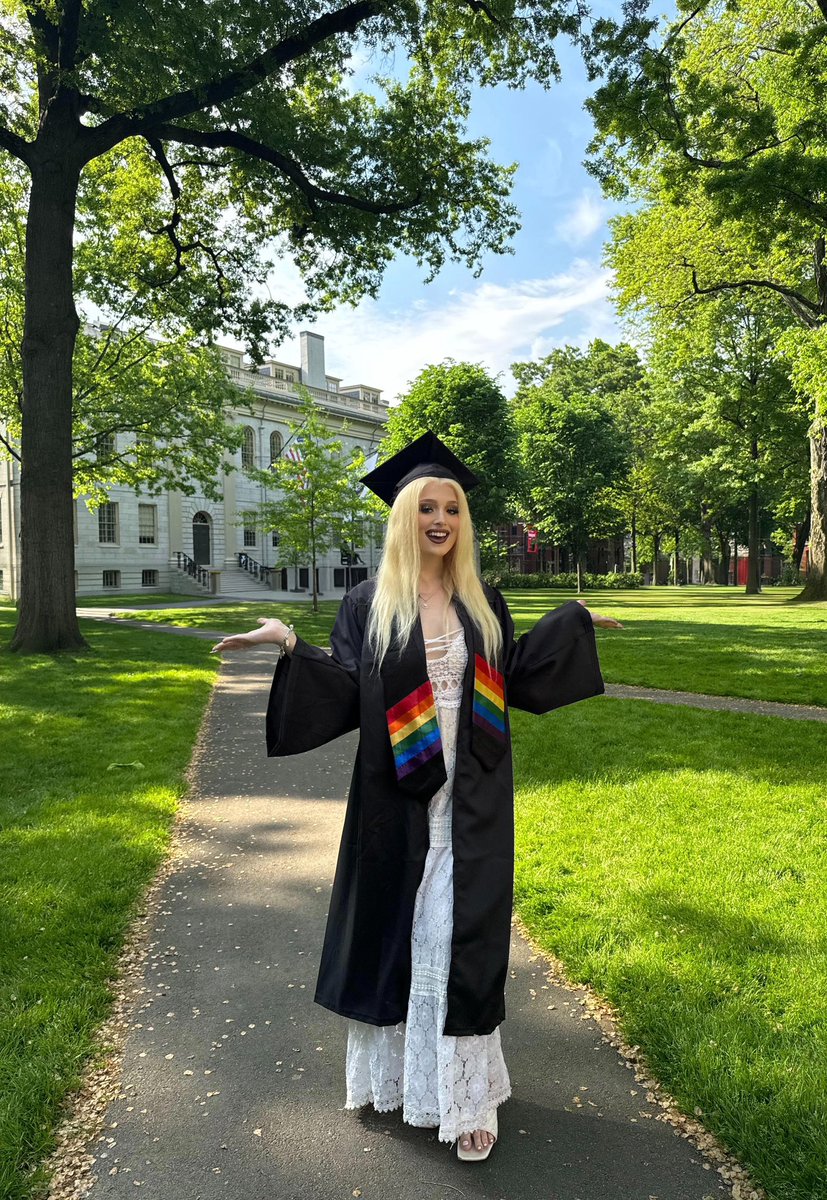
(472, 1154)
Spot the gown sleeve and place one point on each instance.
(315, 695)
(553, 664)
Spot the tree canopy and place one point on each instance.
(467, 409)
(235, 135)
(714, 123)
(574, 447)
(318, 501)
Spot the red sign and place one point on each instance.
(531, 541)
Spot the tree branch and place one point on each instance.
(14, 144)
(238, 80)
(230, 140)
(67, 33)
(801, 302)
(9, 447)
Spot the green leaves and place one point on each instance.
(573, 419)
(318, 502)
(465, 407)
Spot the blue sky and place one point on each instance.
(553, 290)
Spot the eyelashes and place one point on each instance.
(427, 508)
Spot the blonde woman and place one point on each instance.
(424, 663)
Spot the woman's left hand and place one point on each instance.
(603, 622)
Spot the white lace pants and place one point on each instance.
(453, 1083)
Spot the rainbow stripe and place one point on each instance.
(414, 730)
(489, 699)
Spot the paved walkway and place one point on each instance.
(233, 1080)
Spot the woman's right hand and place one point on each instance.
(270, 631)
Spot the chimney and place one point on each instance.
(312, 347)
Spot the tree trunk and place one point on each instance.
(724, 553)
(634, 539)
(753, 587)
(707, 570)
(580, 566)
(48, 621)
(313, 557)
(802, 532)
(655, 557)
(816, 585)
(676, 560)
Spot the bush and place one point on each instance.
(567, 581)
(789, 575)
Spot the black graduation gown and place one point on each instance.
(365, 969)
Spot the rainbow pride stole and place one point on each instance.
(414, 730)
(489, 700)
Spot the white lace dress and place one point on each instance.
(450, 1082)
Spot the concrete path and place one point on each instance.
(233, 1080)
(760, 708)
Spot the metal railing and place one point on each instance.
(190, 567)
(246, 563)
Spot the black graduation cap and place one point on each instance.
(424, 457)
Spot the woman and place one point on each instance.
(423, 661)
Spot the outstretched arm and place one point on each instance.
(603, 622)
(271, 631)
(553, 664)
(315, 695)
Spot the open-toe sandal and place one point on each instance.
(472, 1154)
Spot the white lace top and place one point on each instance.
(450, 1082)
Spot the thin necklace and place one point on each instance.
(424, 599)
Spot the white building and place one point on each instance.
(179, 543)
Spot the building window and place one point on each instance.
(248, 449)
(149, 578)
(357, 575)
(274, 540)
(304, 577)
(1, 580)
(278, 372)
(111, 579)
(105, 446)
(249, 535)
(289, 376)
(108, 524)
(147, 524)
(275, 447)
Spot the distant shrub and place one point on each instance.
(566, 581)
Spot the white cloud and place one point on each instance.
(584, 219)
(493, 324)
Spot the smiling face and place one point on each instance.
(438, 520)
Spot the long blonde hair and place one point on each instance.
(397, 581)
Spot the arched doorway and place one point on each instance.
(201, 539)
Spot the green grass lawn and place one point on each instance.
(236, 617)
(116, 600)
(675, 860)
(78, 844)
(696, 639)
(690, 639)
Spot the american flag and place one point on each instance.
(294, 452)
